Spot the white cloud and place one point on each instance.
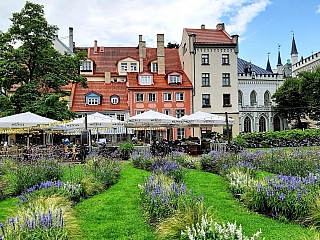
(318, 11)
(118, 23)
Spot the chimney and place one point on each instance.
(142, 53)
(192, 40)
(203, 26)
(220, 26)
(95, 46)
(107, 77)
(235, 39)
(160, 54)
(71, 38)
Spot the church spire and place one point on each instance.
(293, 47)
(268, 68)
(294, 52)
(279, 57)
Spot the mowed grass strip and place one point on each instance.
(226, 208)
(116, 213)
(7, 208)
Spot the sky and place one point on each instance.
(262, 25)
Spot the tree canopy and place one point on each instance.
(299, 97)
(35, 69)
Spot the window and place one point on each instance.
(205, 59)
(266, 98)
(86, 66)
(112, 115)
(262, 124)
(225, 79)
(92, 101)
(167, 97)
(247, 125)
(240, 96)
(225, 59)
(139, 97)
(180, 96)
(181, 133)
(205, 79)
(152, 97)
(115, 80)
(114, 99)
(226, 100)
(154, 67)
(253, 98)
(139, 112)
(124, 67)
(184, 48)
(121, 117)
(206, 100)
(174, 79)
(145, 80)
(133, 67)
(180, 113)
(167, 112)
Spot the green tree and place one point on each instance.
(172, 45)
(310, 87)
(35, 67)
(290, 101)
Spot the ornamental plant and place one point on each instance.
(169, 168)
(142, 160)
(208, 229)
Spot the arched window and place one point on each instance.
(253, 98)
(276, 123)
(247, 124)
(266, 98)
(262, 124)
(240, 97)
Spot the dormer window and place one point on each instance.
(114, 99)
(93, 98)
(145, 80)
(86, 66)
(174, 79)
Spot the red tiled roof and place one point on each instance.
(107, 61)
(210, 36)
(160, 82)
(106, 90)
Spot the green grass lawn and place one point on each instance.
(226, 208)
(116, 213)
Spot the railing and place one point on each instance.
(219, 147)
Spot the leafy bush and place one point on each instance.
(26, 176)
(160, 196)
(106, 171)
(142, 160)
(183, 159)
(213, 230)
(285, 138)
(91, 186)
(169, 168)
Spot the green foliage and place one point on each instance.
(285, 138)
(290, 100)
(25, 176)
(189, 213)
(91, 186)
(126, 148)
(35, 68)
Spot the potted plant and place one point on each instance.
(126, 149)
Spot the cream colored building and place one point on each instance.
(209, 58)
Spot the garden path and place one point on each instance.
(226, 208)
(114, 214)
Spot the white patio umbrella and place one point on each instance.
(24, 120)
(204, 118)
(151, 119)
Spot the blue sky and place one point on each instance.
(261, 24)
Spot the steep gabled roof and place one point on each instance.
(106, 90)
(210, 36)
(242, 64)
